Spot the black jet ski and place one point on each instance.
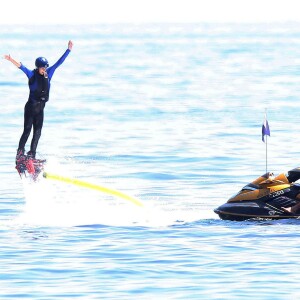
(267, 197)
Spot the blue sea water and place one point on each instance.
(170, 114)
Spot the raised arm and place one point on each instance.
(52, 69)
(9, 58)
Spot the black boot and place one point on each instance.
(20, 155)
(31, 154)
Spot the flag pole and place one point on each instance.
(266, 144)
(266, 153)
(265, 134)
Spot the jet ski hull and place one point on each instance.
(251, 210)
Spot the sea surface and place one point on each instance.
(171, 115)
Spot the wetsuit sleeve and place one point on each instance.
(29, 73)
(52, 69)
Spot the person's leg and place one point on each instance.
(28, 121)
(37, 128)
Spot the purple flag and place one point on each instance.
(265, 129)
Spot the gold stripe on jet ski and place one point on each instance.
(262, 191)
(278, 187)
(249, 195)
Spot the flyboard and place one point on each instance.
(27, 166)
(31, 168)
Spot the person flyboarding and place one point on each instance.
(39, 87)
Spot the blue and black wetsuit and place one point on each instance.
(39, 88)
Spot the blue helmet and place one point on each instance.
(41, 62)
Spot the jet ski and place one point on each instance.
(267, 197)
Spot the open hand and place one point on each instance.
(7, 57)
(70, 45)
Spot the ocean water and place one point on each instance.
(170, 114)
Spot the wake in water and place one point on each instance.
(51, 203)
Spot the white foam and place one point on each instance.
(51, 203)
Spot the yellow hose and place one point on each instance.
(93, 187)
